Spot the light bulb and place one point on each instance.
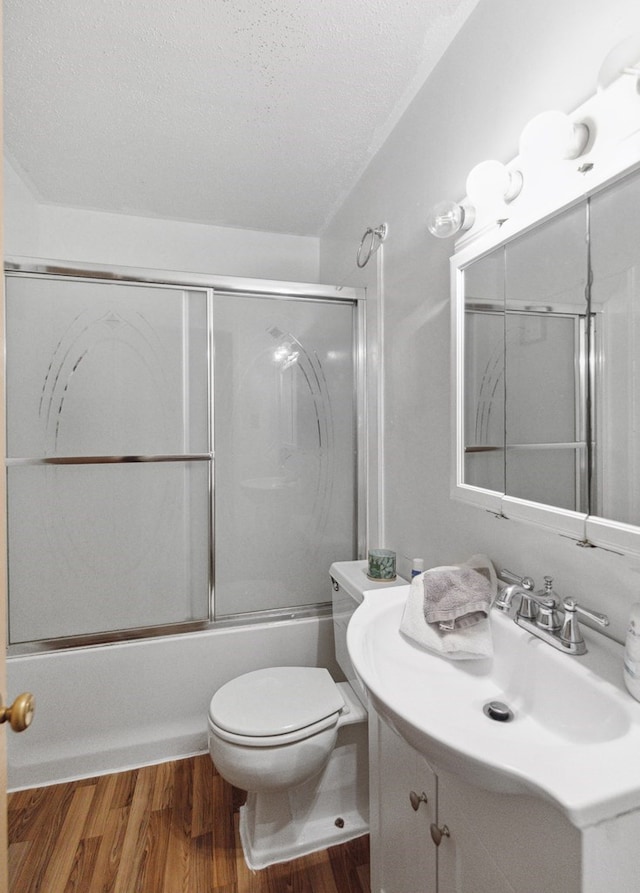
(448, 218)
(552, 136)
(623, 58)
(491, 183)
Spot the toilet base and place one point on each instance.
(329, 809)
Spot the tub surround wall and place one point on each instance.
(110, 708)
(509, 62)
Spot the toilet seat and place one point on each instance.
(275, 740)
(276, 705)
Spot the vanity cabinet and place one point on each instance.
(403, 857)
(496, 843)
(570, 822)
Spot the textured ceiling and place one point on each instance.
(247, 113)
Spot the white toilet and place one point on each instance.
(297, 742)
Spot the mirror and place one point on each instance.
(548, 390)
(615, 266)
(525, 318)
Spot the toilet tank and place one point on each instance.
(349, 581)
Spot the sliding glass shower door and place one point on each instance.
(285, 450)
(119, 522)
(108, 457)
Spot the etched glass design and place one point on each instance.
(100, 373)
(103, 368)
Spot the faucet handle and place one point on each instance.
(571, 605)
(571, 634)
(509, 577)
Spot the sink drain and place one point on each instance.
(498, 711)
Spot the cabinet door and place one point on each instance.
(464, 865)
(403, 856)
(497, 840)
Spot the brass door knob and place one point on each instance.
(20, 713)
(417, 799)
(437, 833)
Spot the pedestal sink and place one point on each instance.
(574, 734)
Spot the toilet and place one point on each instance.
(296, 741)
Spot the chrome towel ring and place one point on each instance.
(373, 239)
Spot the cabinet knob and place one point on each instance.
(20, 713)
(417, 799)
(437, 833)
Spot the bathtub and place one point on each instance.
(114, 707)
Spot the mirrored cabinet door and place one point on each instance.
(615, 261)
(546, 297)
(484, 383)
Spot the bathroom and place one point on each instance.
(508, 62)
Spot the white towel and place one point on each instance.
(470, 637)
(456, 596)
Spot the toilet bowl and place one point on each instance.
(296, 741)
(273, 729)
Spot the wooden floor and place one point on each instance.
(171, 828)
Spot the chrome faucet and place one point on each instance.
(514, 591)
(538, 613)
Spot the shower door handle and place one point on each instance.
(20, 714)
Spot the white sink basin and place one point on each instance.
(575, 733)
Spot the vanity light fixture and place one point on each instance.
(448, 218)
(491, 183)
(553, 136)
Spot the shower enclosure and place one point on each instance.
(180, 453)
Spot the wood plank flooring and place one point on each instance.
(171, 828)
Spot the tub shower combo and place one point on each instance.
(182, 471)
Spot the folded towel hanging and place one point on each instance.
(447, 609)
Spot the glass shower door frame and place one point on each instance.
(222, 616)
(212, 284)
(39, 459)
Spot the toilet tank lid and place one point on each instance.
(352, 577)
(275, 700)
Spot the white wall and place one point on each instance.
(20, 210)
(37, 230)
(511, 61)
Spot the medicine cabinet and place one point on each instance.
(546, 328)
